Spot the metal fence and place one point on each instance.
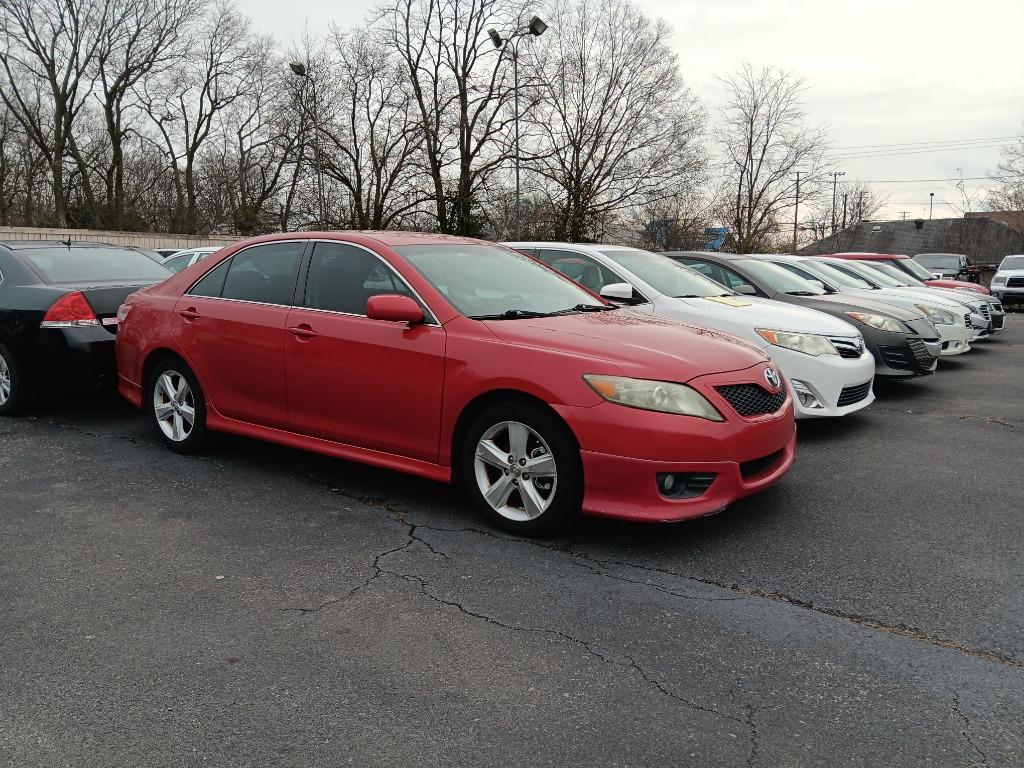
(148, 240)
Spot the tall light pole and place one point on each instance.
(835, 185)
(300, 69)
(536, 28)
(796, 210)
(931, 203)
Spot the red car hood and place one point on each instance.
(639, 344)
(945, 283)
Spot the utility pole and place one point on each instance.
(860, 206)
(903, 215)
(844, 209)
(796, 210)
(931, 202)
(835, 186)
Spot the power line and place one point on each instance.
(859, 156)
(925, 143)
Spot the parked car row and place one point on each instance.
(548, 378)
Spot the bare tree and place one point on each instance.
(372, 136)
(48, 51)
(614, 126)
(143, 39)
(186, 105)
(459, 85)
(764, 140)
(1008, 194)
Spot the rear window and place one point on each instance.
(89, 265)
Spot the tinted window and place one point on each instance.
(582, 269)
(343, 277)
(213, 283)
(780, 279)
(264, 273)
(716, 272)
(665, 275)
(487, 280)
(93, 265)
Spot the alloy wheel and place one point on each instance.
(5, 380)
(515, 471)
(174, 406)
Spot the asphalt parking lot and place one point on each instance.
(262, 606)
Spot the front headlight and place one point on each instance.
(808, 343)
(998, 279)
(880, 322)
(660, 396)
(939, 316)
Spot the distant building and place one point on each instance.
(1014, 218)
(984, 238)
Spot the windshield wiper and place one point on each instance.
(511, 314)
(691, 296)
(583, 308)
(803, 293)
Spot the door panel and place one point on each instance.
(370, 383)
(233, 334)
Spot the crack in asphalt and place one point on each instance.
(755, 741)
(962, 417)
(861, 620)
(966, 731)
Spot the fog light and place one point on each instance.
(684, 485)
(806, 395)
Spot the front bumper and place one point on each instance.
(955, 339)
(904, 355)
(1009, 294)
(830, 378)
(625, 450)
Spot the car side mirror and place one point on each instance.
(618, 292)
(394, 308)
(745, 289)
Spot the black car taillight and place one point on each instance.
(72, 310)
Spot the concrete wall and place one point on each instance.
(138, 239)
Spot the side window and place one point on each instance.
(343, 277)
(212, 283)
(582, 269)
(797, 271)
(712, 271)
(178, 263)
(732, 279)
(264, 273)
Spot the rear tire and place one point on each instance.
(15, 387)
(176, 404)
(521, 466)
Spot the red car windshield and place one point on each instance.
(489, 282)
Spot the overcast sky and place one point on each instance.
(879, 72)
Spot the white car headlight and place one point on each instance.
(998, 279)
(808, 343)
(880, 322)
(660, 396)
(938, 316)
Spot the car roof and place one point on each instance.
(868, 255)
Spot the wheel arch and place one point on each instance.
(154, 358)
(482, 402)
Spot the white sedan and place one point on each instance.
(830, 372)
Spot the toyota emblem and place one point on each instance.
(772, 377)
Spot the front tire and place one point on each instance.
(15, 388)
(177, 406)
(521, 466)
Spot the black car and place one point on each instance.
(58, 314)
(904, 343)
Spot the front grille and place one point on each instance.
(967, 320)
(997, 307)
(997, 322)
(1015, 282)
(754, 467)
(855, 394)
(924, 358)
(847, 347)
(752, 399)
(985, 311)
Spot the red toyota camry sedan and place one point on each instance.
(453, 358)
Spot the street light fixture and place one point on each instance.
(536, 28)
(299, 69)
